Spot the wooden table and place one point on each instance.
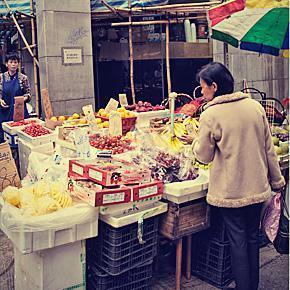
(188, 213)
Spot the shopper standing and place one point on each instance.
(12, 84)
(235, 136)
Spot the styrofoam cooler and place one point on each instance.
(62, 267)
(25, 149)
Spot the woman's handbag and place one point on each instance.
(281, 243)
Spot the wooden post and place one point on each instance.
(34, 62)
(20, 32)
(178, 264)
(188, 257)
(131, 55)
(168, 59)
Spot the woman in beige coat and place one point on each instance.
(235, 136)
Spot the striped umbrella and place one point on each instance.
(255, 25)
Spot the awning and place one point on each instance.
(19, 5)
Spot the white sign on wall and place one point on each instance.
(72, 55)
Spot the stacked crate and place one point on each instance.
(118, 259)
(211, 257)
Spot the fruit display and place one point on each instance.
(118, 144)
(39, 199)
(21, 123)
(123, 112)
(142, 107)
(281, 132)
(36, 130)
(74, 116)
(167, 167)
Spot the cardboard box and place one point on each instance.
(144, 191)
(8, 170)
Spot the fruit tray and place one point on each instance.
(96, 196)
(109, 173)
(128, 124)
(39, 140)
(143, 191)
(12, 130)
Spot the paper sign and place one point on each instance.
(90, 116)
(18, 114)
(8, 171)
(111, 106)
(123, 100)
(46, 104)
(115, 124)
(82, 143)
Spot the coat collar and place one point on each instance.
(227, 99)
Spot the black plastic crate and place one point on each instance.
(217, 230)
(138, 278)
(116, 250)
(211, 262)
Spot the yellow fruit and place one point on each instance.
(104, 114)
(76, 116)
(123, 115)
(73, 123)
(122, 109)
(106, 124)
(98, 120)
(70, 118)
(83, 121)
(131, 114)
(101, 111)
(61, 118)
(53, 119)
(100, 126)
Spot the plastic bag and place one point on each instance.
(271, 217)
(13, 220)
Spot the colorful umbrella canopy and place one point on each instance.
(262, 26)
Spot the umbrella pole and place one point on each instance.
(168, 59)
(226, 54)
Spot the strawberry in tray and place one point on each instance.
(36, 130)
(21, 123)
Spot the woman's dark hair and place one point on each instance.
(218, 73)
(12, 56)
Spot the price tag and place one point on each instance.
(113, 197)
(123, 100)
(115, 124)
(46, 104)
(143, 192)
(18, 113)
(111, 106)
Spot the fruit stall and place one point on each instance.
(99, 189)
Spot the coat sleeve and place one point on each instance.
(276, 179)
(204, 145)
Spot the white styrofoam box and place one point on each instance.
(130, 206)
(14, 130)
(180, 192)
(28, 242)
(143, 119)
(12, 139)
(120, 219)
(36, 141)
(62, 267)
(25, 149)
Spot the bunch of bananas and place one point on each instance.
(63, 199)
(191, 125)
(175, 144)
(202, 165)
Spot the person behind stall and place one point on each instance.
(235, 136)
(12, 84)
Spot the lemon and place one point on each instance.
(101, 111)
(53, 119)
(70, 118)
(83, 121)
(61, 118)
(100, 126)
(120, 110)
(106, 124)
(98, 120)
(76, 116)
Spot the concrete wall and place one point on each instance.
(267, 73)
(65, 23)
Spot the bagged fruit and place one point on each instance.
(11, 195)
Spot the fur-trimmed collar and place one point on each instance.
(227, 99)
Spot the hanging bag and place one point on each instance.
(281, 242)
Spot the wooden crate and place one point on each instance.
(185, 219)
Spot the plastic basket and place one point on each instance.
(138, 278)
(212, 262)
(117, 250)
(217, 229)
